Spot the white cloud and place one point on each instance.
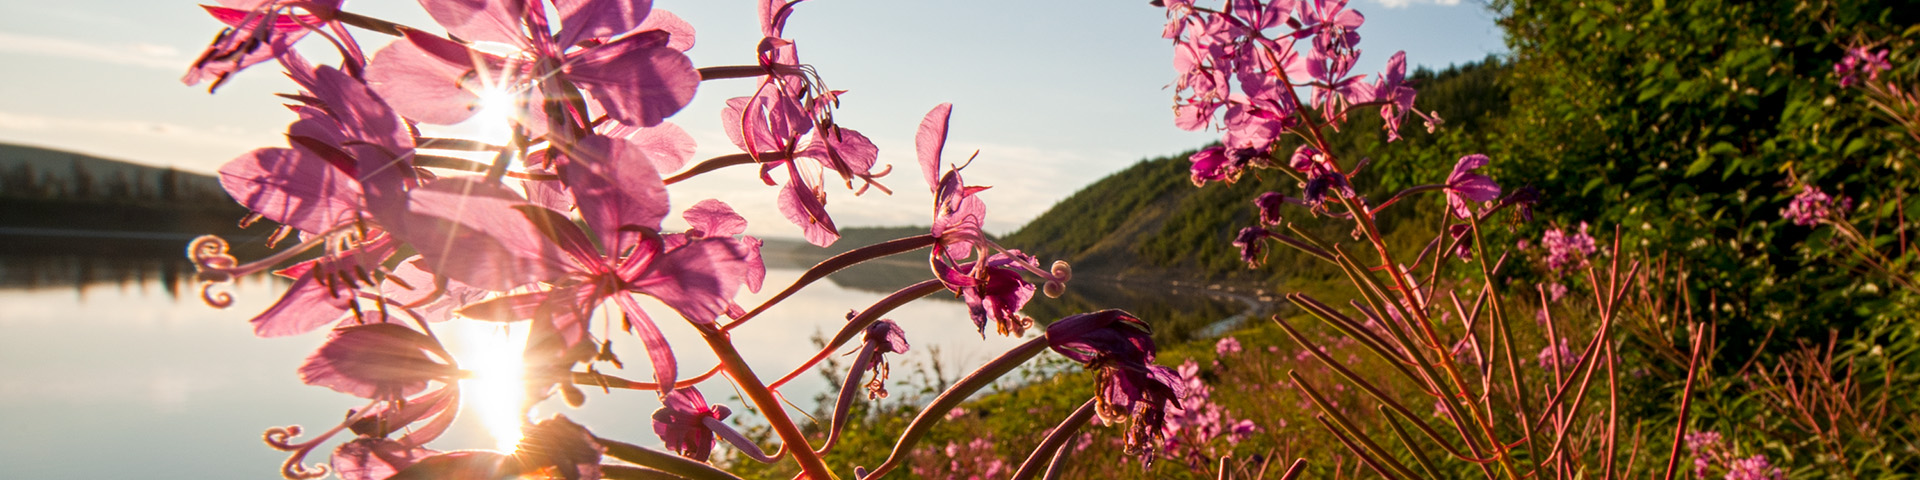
(130, 54)
(194, 148)
(1408, 3)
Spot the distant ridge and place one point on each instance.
(42, 173)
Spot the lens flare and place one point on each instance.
(497, 391)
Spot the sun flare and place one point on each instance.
(497, 390)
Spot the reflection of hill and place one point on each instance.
(37, 272)
(884, 275)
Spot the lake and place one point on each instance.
(112, 367)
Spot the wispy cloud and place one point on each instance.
(144, 55)
(190, 147)
(1408, 3)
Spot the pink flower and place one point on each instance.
(1227, 346)
(683, 423)
(1813, 206)
(1464, 187)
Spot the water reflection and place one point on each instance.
(111, 367)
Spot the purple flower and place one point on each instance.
(990, 284)
(1812, 206)
(1465, 187)
(257, 31)
(1130, 387)
(1227, 346)
(562, 448)
(1858, 61)
(1754, 468)
(1561, 356)
(1568, 251)
(1253, 246)
(682, 423)
(883, 337)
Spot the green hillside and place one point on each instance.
(1149, 218)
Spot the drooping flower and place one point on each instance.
(1253, 246)
(683, 423)
(1119, 347)
(882, 338)
(1464, 187)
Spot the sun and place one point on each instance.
(497, 391)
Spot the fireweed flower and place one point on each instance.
(1464, 187)
(790, 103)
(1812, 206)
(630, 67)
(1253, 246)
(1859, 61)
(696, 273)
(257, 31)
(1130, 387)
(1567, 251)
(1227, 346)
(882, 338)
(685, 423)
(990, 284)
(1560, 356)
(1754, 468)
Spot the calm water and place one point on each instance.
(112, 367)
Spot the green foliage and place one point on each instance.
(1684, 122)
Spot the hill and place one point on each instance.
(1150, 220)
(53, 201)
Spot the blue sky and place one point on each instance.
(1053, 94)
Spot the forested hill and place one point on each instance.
(50, 198)
(1149, 218)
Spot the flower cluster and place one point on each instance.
(1246, 59)
(1861, 61)
(564, 215)
(1813, 206)
(1566, 250)
(1709, 453)
(1193, 425)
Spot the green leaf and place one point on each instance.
(1700, 165)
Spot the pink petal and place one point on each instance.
(637, 79)
(480, 20)
(666, 370)
(714, 218)
(668, 145)
(683, 35)
(377, 361)
(586, 19)
(804, 208)
(293, 188)
(616, 188)
(469, 231)
(368, 458)
(423, 86)
(931, 139)
(305, 306)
